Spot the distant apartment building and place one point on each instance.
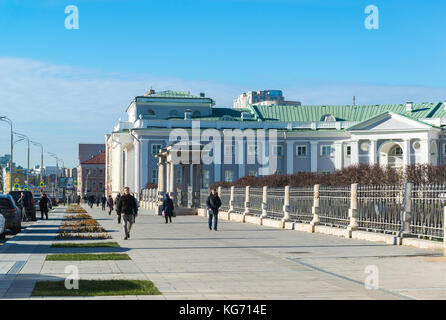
(91, 176)
(262, 98)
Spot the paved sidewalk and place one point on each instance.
(186, 260)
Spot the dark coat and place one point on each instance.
(214, 203)
(110, 203)
(168, 206)
(43, 204)
(127, 205)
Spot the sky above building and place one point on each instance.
(62, 87)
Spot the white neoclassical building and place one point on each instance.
(320, 138)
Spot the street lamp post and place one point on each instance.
(6, 119)
(57, 166)
(27, 170)
(41, 159)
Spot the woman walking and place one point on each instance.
(167, 208)
(110, 204)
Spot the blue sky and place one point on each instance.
(62, 87)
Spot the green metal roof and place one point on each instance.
(345, 112)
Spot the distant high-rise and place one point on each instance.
(264, 98)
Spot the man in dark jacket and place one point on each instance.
(43, 204)
(214, 203)
(118, 196)
(128, 208)
(168, 207)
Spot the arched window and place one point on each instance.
(226, 118)
(196, 114)
(150, 112)
(328, 118)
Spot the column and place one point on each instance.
(406, 152)
(339, 148)
(314, 155)
(355, 152)
(194, 185)
(425, 151)
(184, 185)
(407, 213)
(231, 201)
(173, 185)
(168, 172)
(290, 157)
(161, 178)
(373, 151)
(247, 202)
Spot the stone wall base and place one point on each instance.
(332, 231)
(254, 220)
(376, 237)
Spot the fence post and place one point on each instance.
(353, 211)
(231, 202)
(444, 230)
(264, 204)
(246, 203)
(286, 206)
(315, 208)
(407, 211)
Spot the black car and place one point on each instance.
(11, 213)
(31, 210)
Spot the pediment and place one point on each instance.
(390, 122)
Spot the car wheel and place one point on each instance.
(2, 236)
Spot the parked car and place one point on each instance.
(11, 213)
(2, 227)
(37, 198)
(28, 194)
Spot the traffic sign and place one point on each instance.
(42, 184)
(16, 186)
(75, 183)
(16, 180)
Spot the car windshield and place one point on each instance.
(5, 203)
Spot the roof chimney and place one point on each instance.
(409, 106)
(201, 94)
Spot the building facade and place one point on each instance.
(91, 176)
(308, 138)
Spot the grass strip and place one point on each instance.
(86, 245)
(96, 288)
(87, 256)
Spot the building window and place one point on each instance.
(278, 151)
(155, 148)
(155, 176)
(348, 151)
(173, 113)
(278, 172)
(325, 151)
(253, 173)
(229, 150)
(196, 114)
(301, 151)
(101, 172)
(229, 175)
(252, 150)
(94, 186)
(444, 148)
(94, 172)
(100, 186)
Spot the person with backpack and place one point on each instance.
(213, 203)
(21, 203)
(168, 208)
(128, 208)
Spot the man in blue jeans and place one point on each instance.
(214, 203)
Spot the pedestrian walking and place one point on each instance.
(98, 201)
(127, 207)
(21, 203)
(103, 201)
(118, 196)
(213, 203)
(91, 201)
(44, 207)
(110, 204)
(168, 208)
